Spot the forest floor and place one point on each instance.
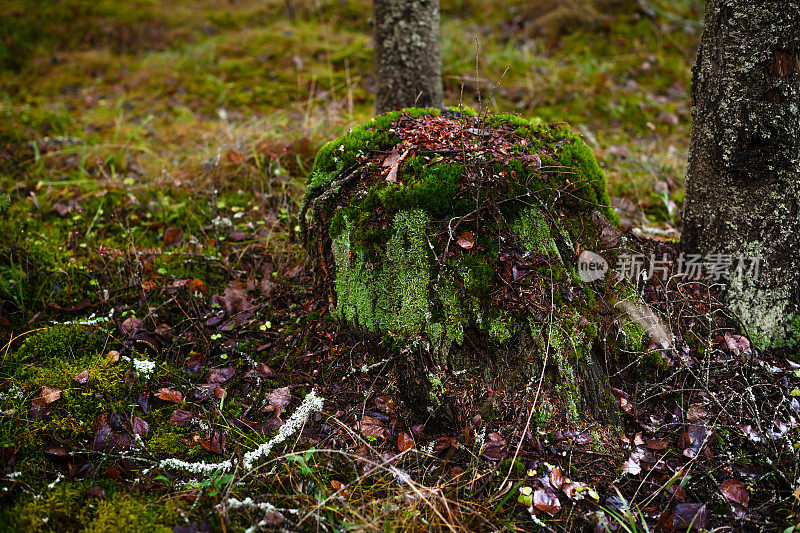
(164, 362)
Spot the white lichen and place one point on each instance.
(144, 367)
(311, 403)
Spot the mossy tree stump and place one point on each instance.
(458, 238)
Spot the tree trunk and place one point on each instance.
(743, 180)
(407, 58)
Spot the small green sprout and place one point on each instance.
(525, 496)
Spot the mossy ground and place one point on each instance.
(153, 155)
(91, 507)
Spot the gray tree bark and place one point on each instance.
(407, 55)
(743, 178)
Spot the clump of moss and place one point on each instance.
(68, 360)
(133, 513)
(590, 184)
(70, 507)
(341, 153)
(72, 416)
(534, 231)
(395, 298)
(466, 239)
(57, 343)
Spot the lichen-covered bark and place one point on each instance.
(407, 56)
(743, 179)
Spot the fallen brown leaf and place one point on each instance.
(148, 286)
(340, 487)
(273, 518)
(181, 418)
(220, 375)
(735, 491)
(172, 236)
(623, 400)
(372, 427)
(58, 451)
(696, 412)
(631, 466)
(130, 378)
(234, 156)
(279, 399)
(556, 478)
(737, 344)
(139, 426)
(547, 502)
(466, 240)
(263, 370)
(47, 396)
(194, 363)
(197, 286)
(130, 326)
(569, 489)
(404, 442)
(393, 161)
(384, 404)
(688, 515)
(214, 441)
(169, 395)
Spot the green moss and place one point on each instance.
(567, 346)
(104, 375)
(392, 298)
(502, 326)
(432, 188)
(125, 512)
(503, 119)
(518, 466)
(55, 510)
(69, 507)
(656, 362)
(535, 233)
(450, 314)
(634, 334)
(52, 358)
(542, 135)
(467, 112)
(771, 317)
(343, 152)
(590, 184)
(543, 413)
(400, 270)
(71, 417)
(621, 296)
(166, 440)
(436, 389)
(477, 273)
(57, 343)
(416, 112)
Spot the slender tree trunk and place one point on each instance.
(407, 57)
(743, 178)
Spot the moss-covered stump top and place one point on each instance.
(449, 231)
